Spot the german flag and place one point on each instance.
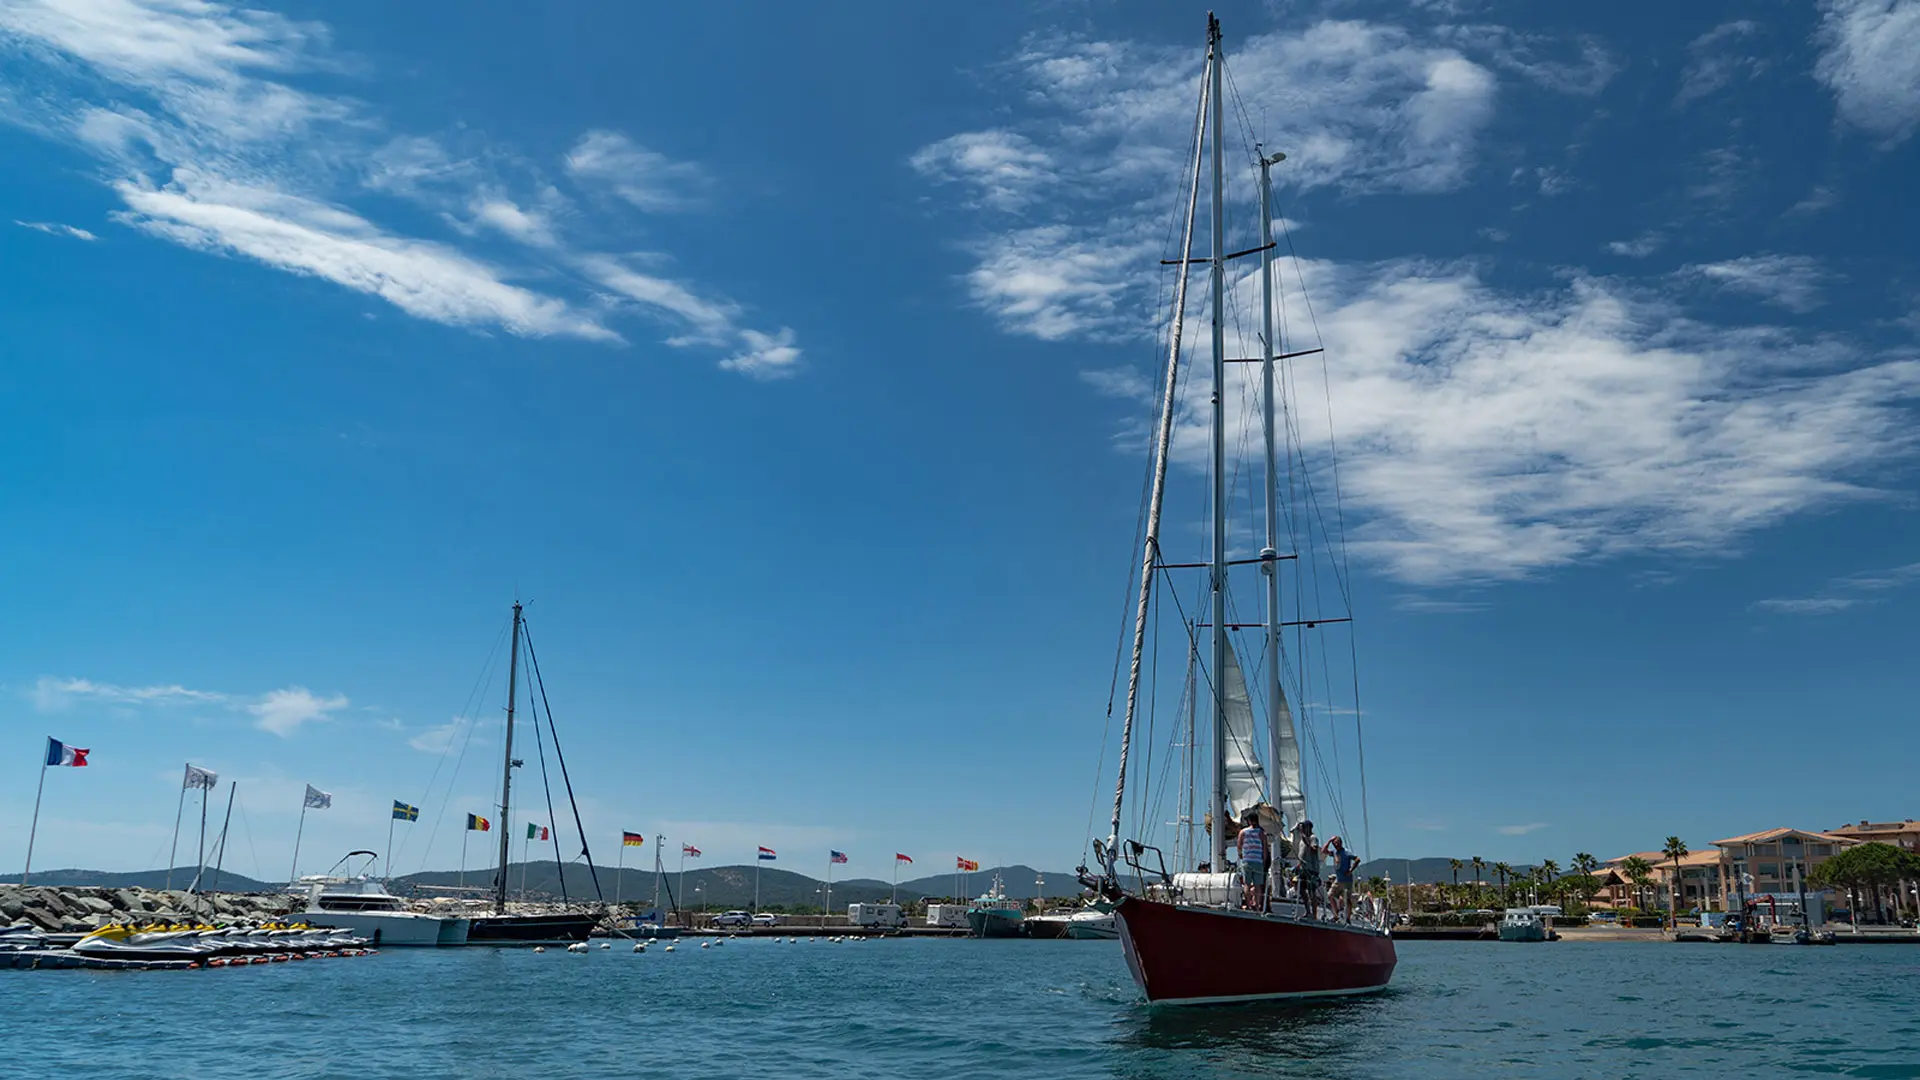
(632, 839)
(476, 823)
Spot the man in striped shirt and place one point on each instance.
(1252, 844)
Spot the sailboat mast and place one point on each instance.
(1187, 752)
(506, 770)
(1216, 268)
(1150, 557)
(1284, 766)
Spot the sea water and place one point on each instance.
(944, 1008)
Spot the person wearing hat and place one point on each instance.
(1306, 860)
(1252, 848)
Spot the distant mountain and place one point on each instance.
(144, 879)
(721, 887)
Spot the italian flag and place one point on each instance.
(536, 832)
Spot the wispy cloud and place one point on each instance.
(648, 179)
(1868, 60)
(438, 738)
(283, 711)
(202, 116)
(1640, 246)
(1843, 593)
(1717, 58)
(1521, 830)
(1792, 282)
(54, 228)
(52, 695)
(1004, 167)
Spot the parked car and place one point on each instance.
(764, 919)
(732, 918)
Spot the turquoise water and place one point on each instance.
(919, 1008)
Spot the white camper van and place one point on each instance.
(886, 915)
(953, 916)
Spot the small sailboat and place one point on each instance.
(1189, 937)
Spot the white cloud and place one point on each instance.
(283, 711)
(1842, 593)
(1640, 246)
(52, 695)
(54, 228)
(1124, 383)
(1716, 58)
(439, 738)
(194, 109)
(422, 278)
(646, 178)
(1788, 281)
(1051, 283)
(1005, 166)
(1521, 830)
(764, 356)
(1870, 60)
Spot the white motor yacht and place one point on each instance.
(364, 906)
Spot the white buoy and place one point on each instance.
(578, 947)
(606, 944)
(706, 944)
(793, 941)
(669, 948)
(539, 948)
(639, 948)
(722, 941)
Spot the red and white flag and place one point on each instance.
(689, 850)
(897, 857)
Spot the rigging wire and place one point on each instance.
(560, 756)
(539, 745)
(466, 715)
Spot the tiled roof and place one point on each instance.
(1767, 835)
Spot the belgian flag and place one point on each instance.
(476, 823)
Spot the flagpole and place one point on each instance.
(826, 910)
(35, 829)
(525, 842)
(622, 871)
(221, 860)
(756, 883)
(683, 878)
(175, 849)
(464, 833)
(204, 792)
(293, 876)
(895, 898)
(389, 856)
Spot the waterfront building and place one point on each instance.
(1904, 835)
(1774, 860)
(1770, 862)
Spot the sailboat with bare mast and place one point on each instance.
(1186, 936)
(501, 928)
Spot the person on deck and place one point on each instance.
(1340, 899)
(1252, 845)
(1306, 860)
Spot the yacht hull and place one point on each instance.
(1183, 955)
(994, 923)
(563, 929)
(394, 928)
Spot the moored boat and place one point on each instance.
(994, 914)
(1524, 924)
(363, 905)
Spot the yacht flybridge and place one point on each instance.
(1192, 937)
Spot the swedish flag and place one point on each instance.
(403, 812)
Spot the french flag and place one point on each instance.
(766, 853)
(59, 753)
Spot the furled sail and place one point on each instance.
(1246, 780)
(1289, 787)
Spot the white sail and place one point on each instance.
(1289, 788)
(1246, 780)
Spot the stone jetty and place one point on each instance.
(78, 909)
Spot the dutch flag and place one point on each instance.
(767, 853)
(59, 753)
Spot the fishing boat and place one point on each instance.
(549, 928)
(1186, 936)
(994, 914)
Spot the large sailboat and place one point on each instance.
(500, 927)
(1188, 936)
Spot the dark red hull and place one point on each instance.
(1203, 956)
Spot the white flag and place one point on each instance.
(317, 799)
(200, 778)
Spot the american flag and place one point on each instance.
(689, 849)
(837, 856)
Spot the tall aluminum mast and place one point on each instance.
(506, 771)
(1283, 745)
(1217, 270)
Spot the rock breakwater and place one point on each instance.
(77, 909)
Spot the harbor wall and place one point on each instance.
(76, 909)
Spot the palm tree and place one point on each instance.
(1455, 865)
(1479, 869)
(1675, 849)
(1502, 871)
(1585, 864)
(1638, 871)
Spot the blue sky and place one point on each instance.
(791, 365)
